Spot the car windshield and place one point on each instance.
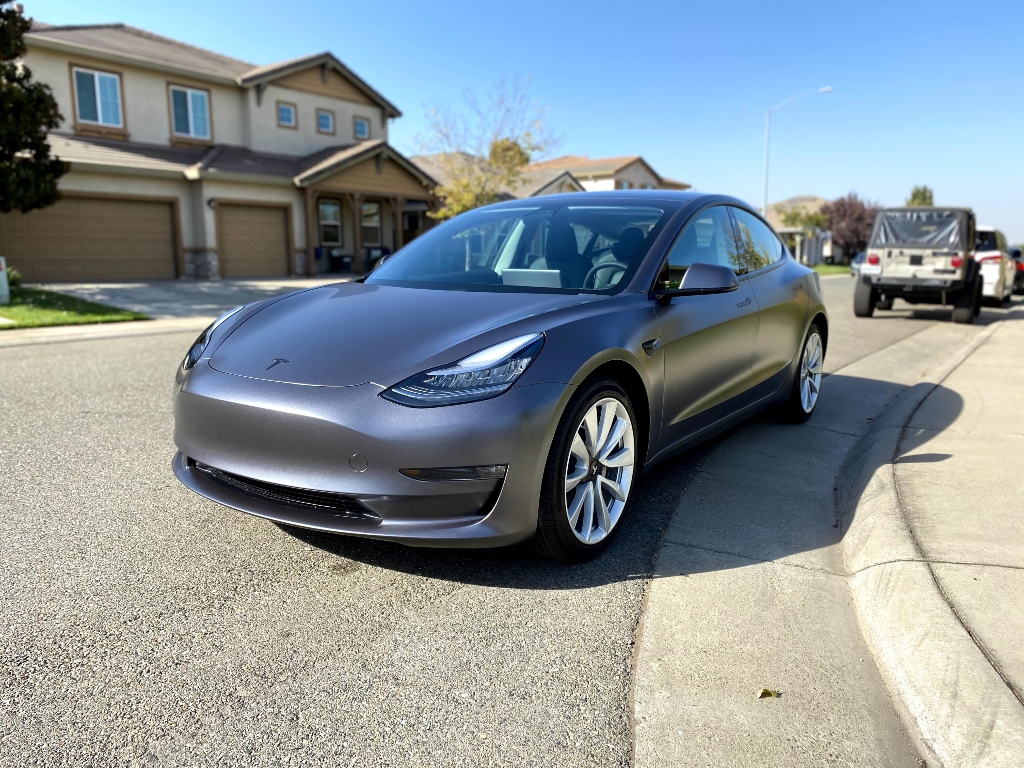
(533, 248)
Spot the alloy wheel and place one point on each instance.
(599, 470)
(810, 372)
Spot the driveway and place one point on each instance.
(161, 299)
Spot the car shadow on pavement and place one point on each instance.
(989, 314)
(764, 491)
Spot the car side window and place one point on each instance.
(757, 247)
(707, 239)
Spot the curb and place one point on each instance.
(955, 704)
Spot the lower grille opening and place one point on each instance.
(335, 503)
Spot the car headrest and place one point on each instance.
(630, 241)
(561, 245)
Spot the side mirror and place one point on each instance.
(1015, 253)
(702, 280)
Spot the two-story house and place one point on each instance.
(607, 173)
(185, 162)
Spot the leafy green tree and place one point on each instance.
(483, 149)
(920, 197)
(28, 174)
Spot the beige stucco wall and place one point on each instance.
(145, 103)
(596, 185)
(268, 136)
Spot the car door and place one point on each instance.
(781, 295)
(707, 341)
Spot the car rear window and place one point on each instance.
(925, 228)
(986, 241)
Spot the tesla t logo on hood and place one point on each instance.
(277, 361)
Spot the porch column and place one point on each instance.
(355, 202)
(312, 232)
(397, 204)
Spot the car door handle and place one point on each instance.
(743, 303)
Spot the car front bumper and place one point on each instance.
(238, 437)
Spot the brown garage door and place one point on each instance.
(253, 240)
(81, 238)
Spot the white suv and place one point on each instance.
(997, 266)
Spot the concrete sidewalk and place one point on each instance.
(753, 585)
(935, 547)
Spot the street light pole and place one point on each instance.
(768, 134)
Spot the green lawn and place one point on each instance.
(832, 269)
(33, 308)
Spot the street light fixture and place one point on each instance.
(768, 133)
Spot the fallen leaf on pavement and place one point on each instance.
(768, 693)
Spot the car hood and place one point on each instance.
(352, 333)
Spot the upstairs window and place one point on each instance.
(287, 115)
(190, 112)
(362, 128)
(325, 121)
(98, 97)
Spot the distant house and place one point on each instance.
(808, 247)
(629, 172)
(186, 162)
(533, 181)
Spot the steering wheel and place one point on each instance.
(592, 274)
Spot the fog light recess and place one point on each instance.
(485, 472)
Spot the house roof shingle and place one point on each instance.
(531, 180)
(135, 42)
(583, 166)
(151, 157)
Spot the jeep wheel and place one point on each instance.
(865, 297)
(967, 303)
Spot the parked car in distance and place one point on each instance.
(508, 375)
(923, 256)
(998, 269)
(856, 262)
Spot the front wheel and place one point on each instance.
(865, 297)
(591, 469)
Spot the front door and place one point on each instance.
(707, 341)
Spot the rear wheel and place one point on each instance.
(865, 297)
(591, 469)
(803, 397)
(967, 304)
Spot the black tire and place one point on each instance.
(865, 297)
(792, 410)
(1018, 290)
(555, 537)
(967, 304)
(884, 303)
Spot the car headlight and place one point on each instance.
(486, 374)
(195, 352)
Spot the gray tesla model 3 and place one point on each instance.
(508, 375)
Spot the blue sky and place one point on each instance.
(925, 92)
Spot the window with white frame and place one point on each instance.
(190, 112)
(98, 97)
(362, 128)
(371, 224)
(287, 115)
(330, 222)
(324, 121)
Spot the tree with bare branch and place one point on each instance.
(481, 151)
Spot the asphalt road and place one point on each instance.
(144, 625)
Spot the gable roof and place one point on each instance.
(268, 72)
(580, 165)
(137, 43)
(127, 42)
(318, 166)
